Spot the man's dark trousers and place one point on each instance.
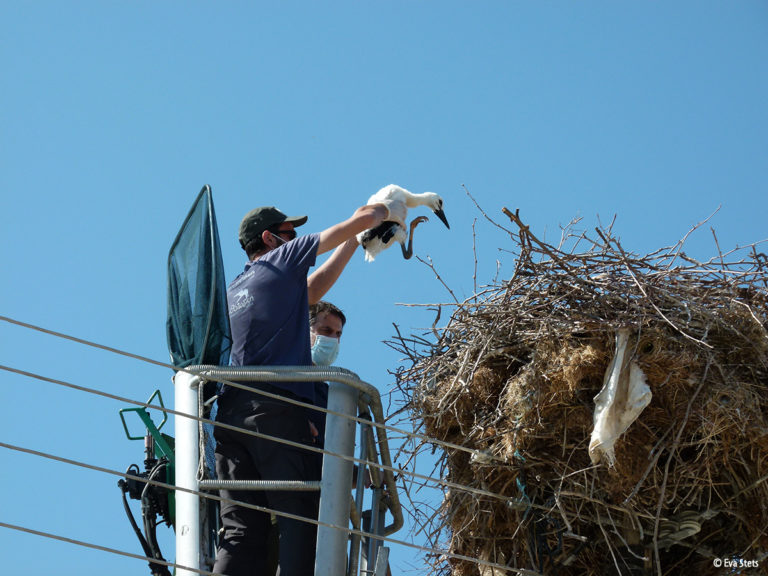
(243, 549)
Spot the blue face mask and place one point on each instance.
(325, 350)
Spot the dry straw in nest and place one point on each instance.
(512, 379)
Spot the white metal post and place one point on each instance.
(330, 559)
(186, 451)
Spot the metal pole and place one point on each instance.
(186, 451)
(354, 544)
(330, 558)
(373, 543)
(382, 561)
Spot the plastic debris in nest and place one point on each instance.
(623, 397)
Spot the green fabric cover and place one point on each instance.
(198, 322)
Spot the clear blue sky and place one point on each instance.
(113, 115)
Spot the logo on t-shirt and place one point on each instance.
(242, 299)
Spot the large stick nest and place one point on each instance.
(511, 380)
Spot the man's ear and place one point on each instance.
(268, 239)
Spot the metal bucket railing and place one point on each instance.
(347, 395)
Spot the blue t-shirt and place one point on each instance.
(269, 311)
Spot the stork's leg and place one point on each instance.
(408, 252)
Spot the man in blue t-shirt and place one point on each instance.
(269, 316)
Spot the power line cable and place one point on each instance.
(412, 474)
(417, 435)
(103, 548)
(93, 467)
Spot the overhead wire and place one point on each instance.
(293, 401)
(306, 447)
(409, 434)
(256, 507)
(102, 548)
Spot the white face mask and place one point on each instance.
(325, 350)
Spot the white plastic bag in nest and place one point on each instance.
(624, 395)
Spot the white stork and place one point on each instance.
(398, 199)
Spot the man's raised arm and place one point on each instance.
(368, 216)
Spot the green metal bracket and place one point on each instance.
(162, 441)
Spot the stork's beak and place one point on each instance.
(441, 215)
